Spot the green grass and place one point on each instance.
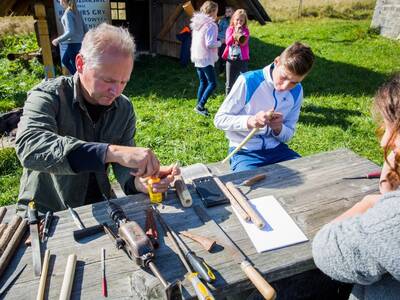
(352, 61)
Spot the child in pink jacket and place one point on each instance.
(237, 48)
(204, 52)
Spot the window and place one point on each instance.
(118, 11)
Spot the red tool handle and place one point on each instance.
(104, 287)
(376, 174)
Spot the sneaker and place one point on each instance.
(202, 111)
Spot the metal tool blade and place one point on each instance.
(36, 257)
(11, 279)
(222, 237)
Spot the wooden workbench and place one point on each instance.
(311, 189)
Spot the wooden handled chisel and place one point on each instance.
(255, 277)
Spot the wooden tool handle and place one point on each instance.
(3, 211)
(68, 281)
(242, 213)
(3, 228)
(259, 282)
(207, 243)
(183, 192)
(43, 276)
(254, 179)
(254, 215)
(245, 140)
(12, 245)
(9, 232)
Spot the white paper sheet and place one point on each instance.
(279, 230)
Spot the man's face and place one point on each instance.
(283, 79)
(104, 83)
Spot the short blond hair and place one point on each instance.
(298, 58)
(103, 37)
(209, 7)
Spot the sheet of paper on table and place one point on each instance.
(279, 231)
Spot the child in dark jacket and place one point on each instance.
(223, 25)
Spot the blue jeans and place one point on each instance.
(208, 83)
(68, 58)
(245, 160)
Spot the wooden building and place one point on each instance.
(154, 23)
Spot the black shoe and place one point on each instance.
(202, 111)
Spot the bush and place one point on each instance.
(9, 163)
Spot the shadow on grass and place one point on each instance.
(165, 78)
(327, 116)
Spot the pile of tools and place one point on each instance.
(139, 245)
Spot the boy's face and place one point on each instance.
(283, 79)
(228, 12)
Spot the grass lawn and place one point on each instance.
(351, 63)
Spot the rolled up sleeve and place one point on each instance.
(38, 145)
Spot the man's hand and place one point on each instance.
(54, 42)
(142, 160)
(167, 175)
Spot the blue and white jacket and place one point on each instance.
(253, 92)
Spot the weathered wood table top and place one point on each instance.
(311, 190)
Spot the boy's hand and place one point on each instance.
(264, 118)
(276, 123)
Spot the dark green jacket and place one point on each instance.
(54, 122)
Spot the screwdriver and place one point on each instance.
(47, 223)
(376, 174)
(76, 218)
(197, 263)
(200, 288)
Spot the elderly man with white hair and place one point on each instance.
(72, 128)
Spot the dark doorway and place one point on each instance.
(135, 16)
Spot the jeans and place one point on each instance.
(208, 83)
(245, 160)
(68, 58)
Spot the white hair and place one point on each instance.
(106, 37)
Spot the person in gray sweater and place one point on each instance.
(362, 246)
(74, 31)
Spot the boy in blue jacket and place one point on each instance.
(268, 99)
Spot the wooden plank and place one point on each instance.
(170, 21)
(311, 189)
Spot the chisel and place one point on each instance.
(255, 277)
(34, 231)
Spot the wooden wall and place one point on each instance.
(168, 44)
